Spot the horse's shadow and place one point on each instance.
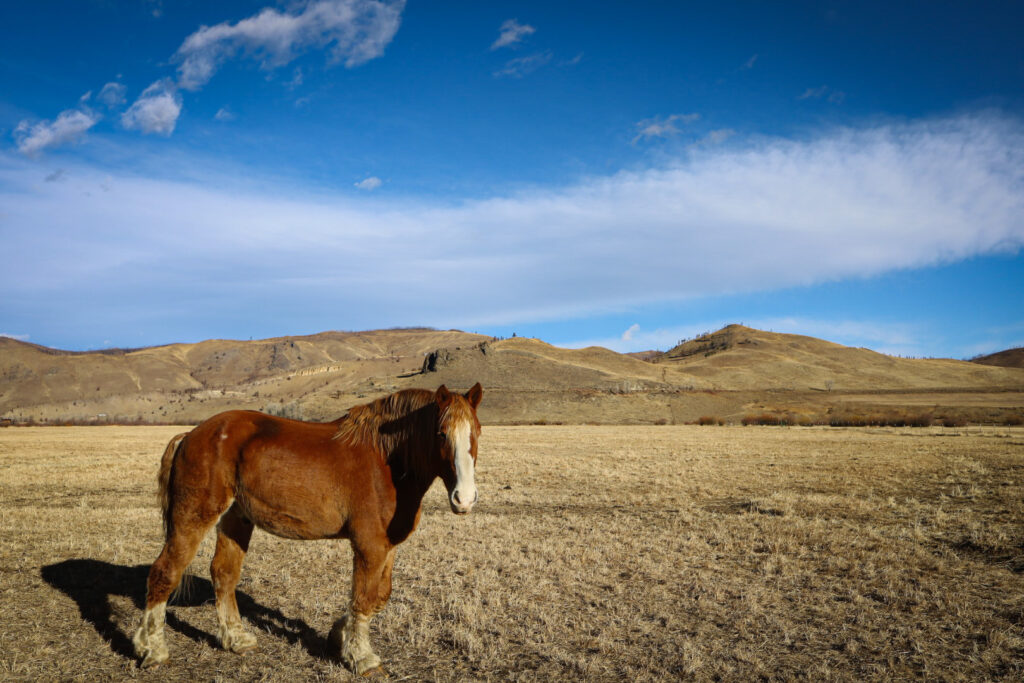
(90, 583)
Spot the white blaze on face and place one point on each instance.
(465, 481)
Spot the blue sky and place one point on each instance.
(622, 174)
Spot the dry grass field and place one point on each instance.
(596, 553)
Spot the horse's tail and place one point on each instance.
(164, 479)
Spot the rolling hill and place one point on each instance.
(728, 373)
(1010, 358)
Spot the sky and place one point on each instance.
(590, 173)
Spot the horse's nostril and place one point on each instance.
(455, 497)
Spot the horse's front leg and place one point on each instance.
(371, 587)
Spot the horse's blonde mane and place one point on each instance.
(391, 421)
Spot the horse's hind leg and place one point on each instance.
(189, 527)
(233, 534)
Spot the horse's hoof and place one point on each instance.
(153, 659)
(236, 640)
(368, 665)
(377, 672)
(150, 653)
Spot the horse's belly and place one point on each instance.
(298, 519)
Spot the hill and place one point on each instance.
(728, 374)
(1010, 358)
(187, 382)
(738, 357)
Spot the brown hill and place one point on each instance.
(186, 382)
(741, 358)
(728, 374)
(1010, 358)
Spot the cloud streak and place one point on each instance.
(511, 33)
(354, 31)
(662, 126)
(523, 66)
(760, 215)
(69, 126)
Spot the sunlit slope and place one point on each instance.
(741, 358)
(33, 375)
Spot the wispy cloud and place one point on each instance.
(757, 215)
(369, 184)
(627, 336)
(155, 111)
(823, 92)
(224, 114)
(511, 33)
(353, 31)
(112, 95)
(715, 137)
(69, 126)
(356, 31)
(662, 126)
(521, 66)
(749, 64)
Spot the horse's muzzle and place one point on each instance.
(460, 507)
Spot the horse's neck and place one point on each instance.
(409, 493)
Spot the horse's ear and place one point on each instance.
(443, 396)
(474, 395)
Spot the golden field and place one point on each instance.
(595, 553)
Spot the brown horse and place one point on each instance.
(361, 477)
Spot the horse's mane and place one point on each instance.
(400, 427)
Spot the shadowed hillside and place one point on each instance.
(1010, 358)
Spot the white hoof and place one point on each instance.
(236, 639)
(149, 641)
(152, 651)
(366, 665)
(351, 643)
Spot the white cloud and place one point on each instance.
(749, 64)
(356, 31)
(521, 66)
(67, 127)
(630, 331)
(112, 95)
(224, 114)
(758, 215)
(371, 183)
(19, 337)
(662, 126)
(155, 111)
(512, 32)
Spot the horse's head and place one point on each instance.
(458, 431)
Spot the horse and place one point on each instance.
(360, 477)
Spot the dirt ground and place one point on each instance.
(595, 553)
